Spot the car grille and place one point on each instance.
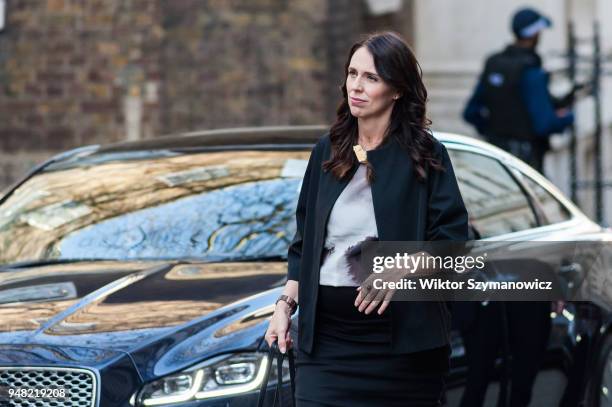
(80, 385)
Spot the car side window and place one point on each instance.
(495, 202)
(553, 210)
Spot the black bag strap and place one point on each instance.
(292, 375)
(274, 352)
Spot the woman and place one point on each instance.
(378, 174)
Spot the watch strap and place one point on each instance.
(290, 301)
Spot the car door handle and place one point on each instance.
(571, 270)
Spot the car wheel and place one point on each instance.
(601, 391)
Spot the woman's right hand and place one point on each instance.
(279, 327)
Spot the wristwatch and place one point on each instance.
(290, 302)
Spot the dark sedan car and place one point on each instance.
(144, 273)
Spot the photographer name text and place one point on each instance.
(471, 284)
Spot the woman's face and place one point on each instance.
(368, 95)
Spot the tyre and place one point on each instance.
(600, 389)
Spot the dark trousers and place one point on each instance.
(515, 330)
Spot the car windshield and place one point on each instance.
(215, 205)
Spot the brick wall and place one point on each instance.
(77, 72)
(238, 63)
(66, 67)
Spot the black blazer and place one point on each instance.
(405, 210)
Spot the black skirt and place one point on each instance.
(351, 363)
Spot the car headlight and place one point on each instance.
(222, 376)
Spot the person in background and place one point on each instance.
(511, 105)
(513, 109)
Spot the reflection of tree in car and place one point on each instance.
(249, 219)
(69, 196)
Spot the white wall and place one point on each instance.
(457, 35)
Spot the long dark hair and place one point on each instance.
(398, 67)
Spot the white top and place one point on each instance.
(351, 222)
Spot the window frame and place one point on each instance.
(526, 193)
(537, 204)
(577, 218)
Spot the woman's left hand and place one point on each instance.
(369, 297)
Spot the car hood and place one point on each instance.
(165, 315)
